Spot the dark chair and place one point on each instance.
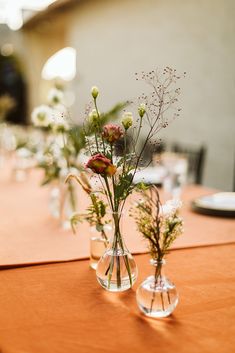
(119, 146)
(196, 160)
(151, 149)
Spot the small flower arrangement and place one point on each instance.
(60, 152)
(159, 224)
(53, 116)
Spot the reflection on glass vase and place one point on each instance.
(116, 270)
(68, 204)
(54, 200)
(98, 243)
(157, 296)
(22, 165)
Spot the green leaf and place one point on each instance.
(123, 188)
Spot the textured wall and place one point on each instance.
(116, 38)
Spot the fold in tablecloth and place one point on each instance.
(28, 234)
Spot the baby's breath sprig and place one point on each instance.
(159, 224)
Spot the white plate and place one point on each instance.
(222, 201)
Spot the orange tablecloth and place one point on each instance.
(29, 235)
(60, 308)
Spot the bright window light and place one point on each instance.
(14, 19)
(11, 11)
(61, 65)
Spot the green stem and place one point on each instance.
(109, 193)
(124, 154)
(157, 275)
(65, 153)
(96, 142)
(97, 112)
(118, 242)
(72, 196)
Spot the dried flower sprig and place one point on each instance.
(159, 225)
(96, 212)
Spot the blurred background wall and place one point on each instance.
(114, 39)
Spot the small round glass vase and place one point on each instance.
(157, 296)
(116, 270)
(98, 244)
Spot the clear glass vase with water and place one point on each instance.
(157, 296)
(116, 270)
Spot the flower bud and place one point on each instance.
(127, 120)
(94, 92)
(142, 109)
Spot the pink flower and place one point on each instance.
(112, 132)
(100, 164)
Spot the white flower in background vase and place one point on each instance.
(55, 96)
(127, 120)
(60, 118)
(42, 116)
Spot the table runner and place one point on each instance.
(29, 235)
(61, 308)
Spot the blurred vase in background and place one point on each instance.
(175, 178)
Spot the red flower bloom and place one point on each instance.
(112, 132)
(100, 164)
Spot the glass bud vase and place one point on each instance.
(157, 296)
(116, 270)
(68, 204)
(98, 244)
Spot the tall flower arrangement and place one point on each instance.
(117, 173)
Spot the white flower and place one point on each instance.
(40, 157)
(171, 207)
(55, 96)
(23, 153)
(42, 116)
(60, 118)
(127, 120)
